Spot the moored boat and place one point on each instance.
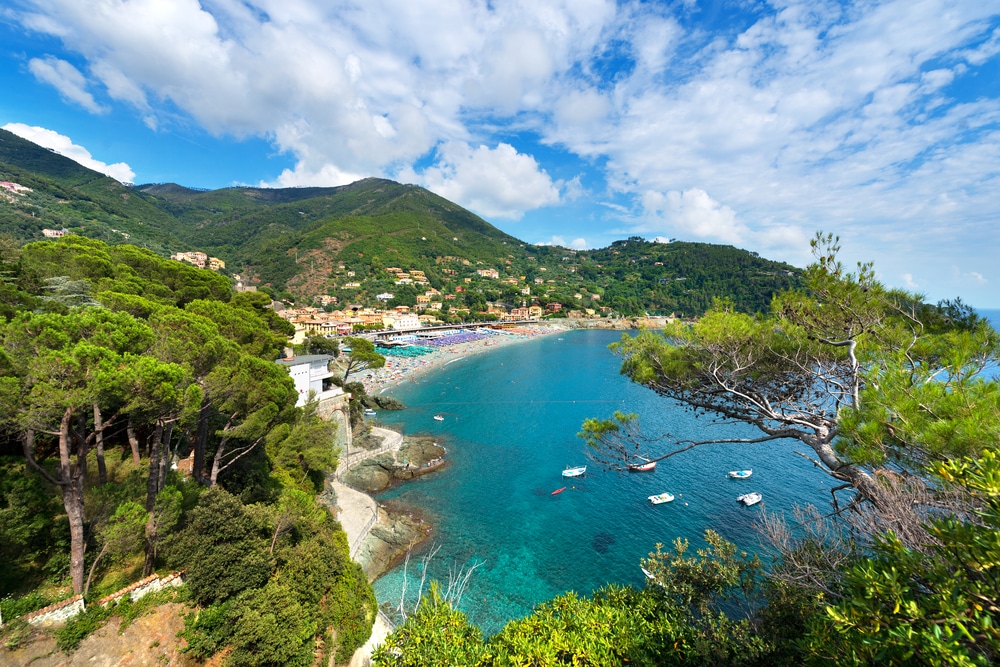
(574, 472)
(749, 499)
(661, 498)
(740, 474)
(439, 418)
(369, 412)
(642, 467)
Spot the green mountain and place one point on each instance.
(67, 195)
(301, 243)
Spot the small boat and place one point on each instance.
(369, 412)
(749, 499)
(661, 498)
(740, 474)
(558, 491)
(574, 472)
(642, 467)
(439, 418)
(649, 575)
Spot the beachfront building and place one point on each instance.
(405, 321)
(312, 377)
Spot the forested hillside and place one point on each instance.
(116, 365)
(307, 244)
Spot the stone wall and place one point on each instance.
(336, 409)
(59, 612)
(143, 587)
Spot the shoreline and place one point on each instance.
(398, 370)
(356, 507)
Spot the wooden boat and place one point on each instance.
(642, 467)
(439, 418)
(749, 499)
(558, 491)
(574, 472)
(661, 498)
(740, 474)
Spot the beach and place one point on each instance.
(398, 370)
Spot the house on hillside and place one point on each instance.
(312, 376)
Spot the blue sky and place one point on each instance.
(574, 122)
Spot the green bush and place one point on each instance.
(77, 629)
(11, 608)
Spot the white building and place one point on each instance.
(405, 321)
(311, 376)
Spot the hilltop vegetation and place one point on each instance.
(299, 244)
(117, 364)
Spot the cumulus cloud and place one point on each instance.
(851, 118)
(575, 244)
(494, 182)
(67, 79)
(63, 145)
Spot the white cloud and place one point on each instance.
(575, 244)
(848, 117)
(494, 182)
(63, 145)
(67, 79)
(908, 282)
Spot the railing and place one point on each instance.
(364, 533)
(356, 455)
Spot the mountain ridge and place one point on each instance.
(339, 242)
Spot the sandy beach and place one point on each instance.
(398, 370)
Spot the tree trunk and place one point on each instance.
(71, 482)
(102, 470)
(217, 463)
(133, 442)
(161, 478)
(200, 443)
(150, 562)
(154, 466)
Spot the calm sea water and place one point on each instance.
(511, 419)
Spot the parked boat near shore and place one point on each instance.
(749, 499)
(642, 467)
(661, 498)
(574, 472)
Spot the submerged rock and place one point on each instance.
(602, 542)
(386, 545)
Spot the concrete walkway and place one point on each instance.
(358, 514)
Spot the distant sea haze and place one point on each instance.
(511, 419)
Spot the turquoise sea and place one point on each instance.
(511, 419)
